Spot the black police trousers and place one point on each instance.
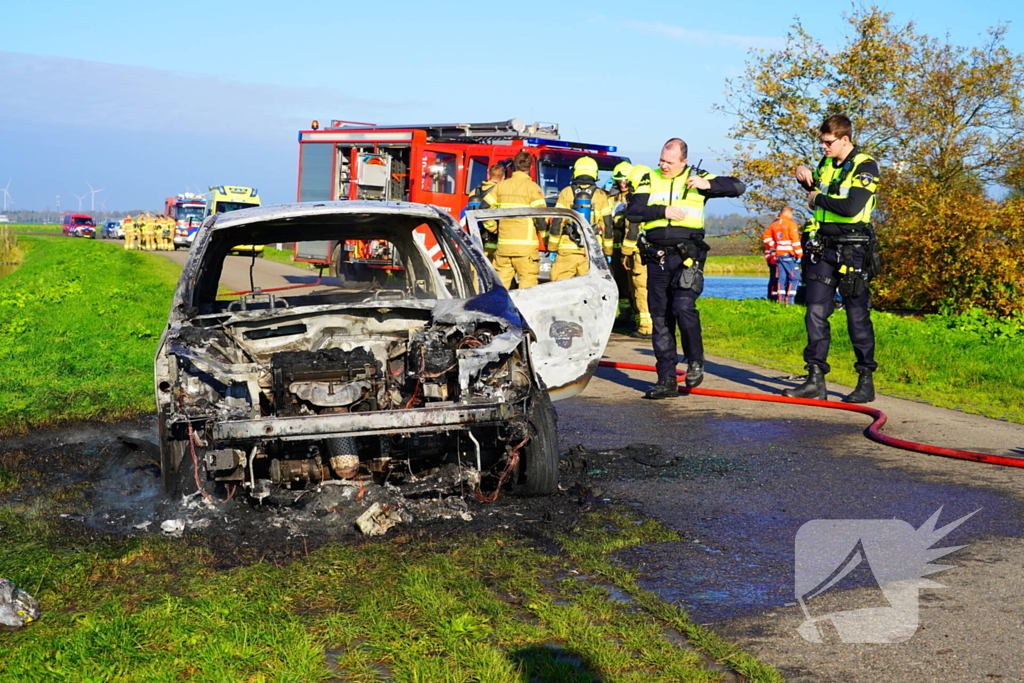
(820, 305)
(670, 306)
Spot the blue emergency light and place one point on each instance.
(565, 144)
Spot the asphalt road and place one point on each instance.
(267, 273)
(780, 466)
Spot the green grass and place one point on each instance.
(491, 608)
(36, 227)
(79, 324)
(736, 265)
(921, 359)
(279, 255)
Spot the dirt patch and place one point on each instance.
(98, 478)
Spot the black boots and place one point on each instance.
(694, 374)
(665, 388)
(814, 387)
(865, 391)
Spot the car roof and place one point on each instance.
(276, 212)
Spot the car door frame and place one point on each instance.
(571, 328)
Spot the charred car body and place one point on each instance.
(379, 376)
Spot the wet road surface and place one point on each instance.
(778, 467)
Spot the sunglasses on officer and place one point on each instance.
(829, 143)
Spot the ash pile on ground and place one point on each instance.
(106, 478)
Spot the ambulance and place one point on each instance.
(224, 198)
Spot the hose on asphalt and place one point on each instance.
(874, 431)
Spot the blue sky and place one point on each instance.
(147, 102)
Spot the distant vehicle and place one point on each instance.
(186, 209)
(79, 225)
(111, 230)
(225, 198)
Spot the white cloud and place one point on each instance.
(706, 38)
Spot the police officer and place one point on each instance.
(841, 242)
(565, 244)
(495, 174)
(518, 252)
(633, 265)
(669, 202)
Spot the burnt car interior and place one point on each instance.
(373, 260)
(407, 360)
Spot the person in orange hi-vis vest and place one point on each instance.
(783, 239)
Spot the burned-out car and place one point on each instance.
(413, 358)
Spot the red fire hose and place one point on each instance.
(874, 431)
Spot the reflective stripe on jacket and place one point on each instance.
(827, 180)
(782, 238)
(674, 192)
(517, 236)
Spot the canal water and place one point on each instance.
(735, 287)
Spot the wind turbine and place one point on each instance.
(92, 198)
(7, 195)
(79, 198)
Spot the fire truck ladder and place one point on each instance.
(499, 130)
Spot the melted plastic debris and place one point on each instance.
(17, 608)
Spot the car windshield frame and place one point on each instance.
(469, 273)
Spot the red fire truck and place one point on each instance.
(436, 164)
(187, 211)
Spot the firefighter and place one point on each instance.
(565, 244)
(782, 241)
(131, 235)
(495, 174)
(148, 230)
(618, 195)
(634, 265)
(669, 202)
(518, 252)
(165, 233)
(842, 254)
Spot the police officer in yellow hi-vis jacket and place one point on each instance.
(669, 203)
(518, 252)
(842, 254)
(565, 243)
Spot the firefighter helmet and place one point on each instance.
(621, 171)
(585, 166)
(638, 172)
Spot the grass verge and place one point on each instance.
(920, 359)
(79, 324)
(489, 608)
(36, 227)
